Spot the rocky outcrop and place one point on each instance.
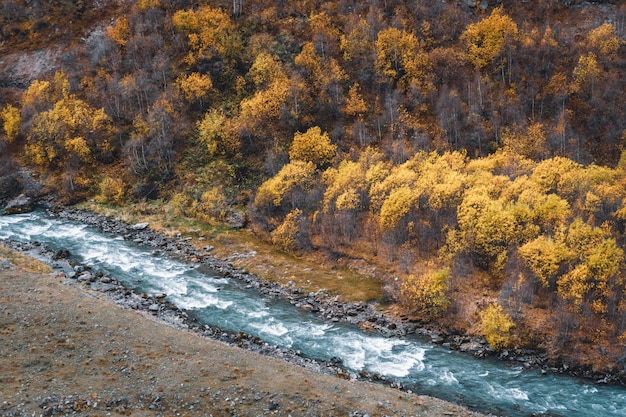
(19, 192)
(9, 188)
(20, 204)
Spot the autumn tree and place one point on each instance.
(496, 326)
(558, 175)
(195, 87)
(70, 130)
(581, 263)
(217, 133)
(586, 73)
(356, 108)
(400, 60)
(596, 268)
(120, 31)
(288, 188)
(531, 142)
(261, 112)
(71, 135)
(489, 41)
(394, 50)
(290, 235)
(212, 205)
(425, 293)
(545, 256)
(211, 33)
(417, 197)
(325, 74)
(312, 146)
(357, 46)
(603, 41)
(151, 148)
(37, 98)
(346, 195)
(12, 121)
(487, 228)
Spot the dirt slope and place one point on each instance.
(64, 351)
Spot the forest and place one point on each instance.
(474, 148)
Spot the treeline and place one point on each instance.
(445, 138)
(546, 233)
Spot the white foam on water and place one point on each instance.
(390, 357)
(70, 231)
(509, 394)
(350, 350)
(271, 327)
(587, 389)
(205, 286)
(308, 329)
(400, 364)
(21, 222)
(257, 314)
(318, 329)
(199, 301)
(448, 378)
(93, 253)
(29, 231)
(163, 271)
(172, 286)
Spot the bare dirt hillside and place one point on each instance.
(66, 351)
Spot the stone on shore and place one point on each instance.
(20, 204)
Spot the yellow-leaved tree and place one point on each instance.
(210, 32)
(496, 326)
(312, 146)
(288, 235)
(71, 132)
(603, 41)
(489, 40)
(487, 228)
(261, 111)
(425, 293)
(218, 134)
(12, 121)
(595, 268)
(395, 49)
(544, 256)
(195, 87)
(530, 142)
(288, 188)
(586, 73)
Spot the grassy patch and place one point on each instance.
(24, 262)
(309, 272)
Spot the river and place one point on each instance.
(486, 385)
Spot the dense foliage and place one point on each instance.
(467, 146)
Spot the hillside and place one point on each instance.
(470, 152)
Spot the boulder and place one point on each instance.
(237, 220)
(21, 204)
(9, 188)
(140, 226)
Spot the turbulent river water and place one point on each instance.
(485, 385)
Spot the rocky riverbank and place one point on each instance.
(66, 350)
(320, 302)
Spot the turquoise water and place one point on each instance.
(485, 385)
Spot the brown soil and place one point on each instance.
(66, 351)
